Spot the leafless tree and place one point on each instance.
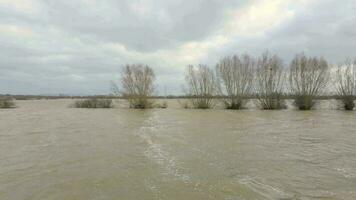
(138, 85)
(346, 83)
(235, 76)
(201, 86)
(270, 81)
(308, 78)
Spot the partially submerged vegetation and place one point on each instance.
(346, 83)
(138, 85)
(163, 105)
(184, 104)
(201, 86)
(308, 77)
(94, 103)
(235, 76)
(270, 81)
(7, 102)
(236, 79)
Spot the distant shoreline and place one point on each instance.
(49, 97)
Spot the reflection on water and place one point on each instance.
(49, 151)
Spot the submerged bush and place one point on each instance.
(163, 105)
(308, 78)
(270, 80)
(94, 103)
(304, 102)
(138, 85)
(184, 104)
(235, 76)
(346, 84)
(348, 102)
(6, 102)
(201, 86)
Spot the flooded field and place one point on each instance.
(50, 151)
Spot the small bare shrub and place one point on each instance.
(270, 80)
(236, 76)
(138, 85)
(346, 83)
(6, 102)
(162, 105)
(94, 103)
(201, 86)
(308, 78)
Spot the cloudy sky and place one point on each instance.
(79, 46)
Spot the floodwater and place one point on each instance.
(51, 151)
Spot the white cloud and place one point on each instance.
(10, 30)
(22, 6)
(258, 17)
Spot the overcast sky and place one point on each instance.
(79, 46)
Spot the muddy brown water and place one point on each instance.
(49, 151)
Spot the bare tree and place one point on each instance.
(308, 78)
(235, 74)
(138, 85)
(270, 80)
(201, 86)
(346, 83)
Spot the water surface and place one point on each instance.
(50, 151)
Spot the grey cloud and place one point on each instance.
(69, 35)
(68, 52)
(323, 30)
(327, 28)
(165, 25)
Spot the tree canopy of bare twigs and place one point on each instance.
(138, 85)
(346, 83)
(308, 78)
(235, 76)
(270, 81)
(201, 86)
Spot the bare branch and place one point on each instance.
(235, 75)
(346, 83)
(270, 81)
(138, 85)
(201, 86)
(308, 78)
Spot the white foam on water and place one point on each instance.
(156, 152)
(267, 191)
(152, 187)
(345, 173)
